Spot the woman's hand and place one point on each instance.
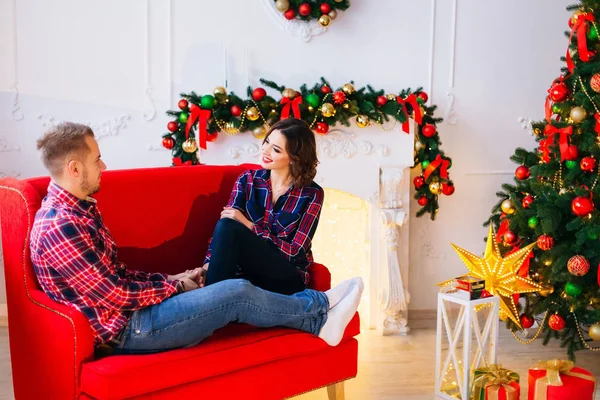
(229, 212)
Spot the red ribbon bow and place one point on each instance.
(502, 228)
(177, 162)
(434, 165)
(564, 133)
(412, 100)
(202, 116)
(580, 26)
(293, 104)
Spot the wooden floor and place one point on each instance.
(394, 367)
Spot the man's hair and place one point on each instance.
(61, 141)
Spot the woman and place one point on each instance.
(266, 229)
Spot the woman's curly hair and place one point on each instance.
(301, 147)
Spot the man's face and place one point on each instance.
(89, 181)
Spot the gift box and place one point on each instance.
(495, 383)
(560, 380)
(470, 288)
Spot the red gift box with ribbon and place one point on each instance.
(560, 380)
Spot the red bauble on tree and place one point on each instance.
(510, 237)
(168, 143)
(522, 172)
(423, 96)
(212, 136)
(325, 8)
(556, 322)
(339, 97)
(527, 200)
(582, 206)
(578, 265)
(381, 100)
(423, 201)
(572, 153)
(172, 126)
(526, 321)
(183, 104)
(419, 181)
(258, 94)
(289, 14)
(325, 89)
(447, 189)
(322, 128)
(595, 82)
(559, 92)
(304, 9)
(428, 130)
(236, 111)
(545, 242)
(588, 164)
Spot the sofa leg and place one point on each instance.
(336, 391)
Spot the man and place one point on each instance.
(134, 312)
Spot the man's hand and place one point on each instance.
(197, 275)
(229, 212)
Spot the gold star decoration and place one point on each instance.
(500, 274)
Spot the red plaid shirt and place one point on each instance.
(75, 260)
(289, 224)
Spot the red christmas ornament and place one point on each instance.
(289, 14)
(422, 201)
(588, 164)
(556, 322)
(522, 172)
(325, 8)
(428, 130)
(545, 242)
(322, 128)
(423, 96)
(527, 201)
(325, 89)
(381, 100)
(339, 97)
(582, 206)
(236, 111)
(419, 181)
(526, 321)
(572, 153)
(212, 136)
(595, 83)
(168, 143)
(258, 94)
(578, 265)
(172, 126)
(304, 9)
(510, 237)
(559, 92)
(448, 190)
(183, 104)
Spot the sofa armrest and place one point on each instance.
(320, 277)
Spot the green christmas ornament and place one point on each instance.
(207, 101)
(571, 164)
(533, 222)
(573, 289)
(592, 235)
(313, 100)
(424, 164)
(592, 33)
(420, 101)
(183, 117)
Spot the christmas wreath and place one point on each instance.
(324, 11)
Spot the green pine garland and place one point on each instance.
(320, 107)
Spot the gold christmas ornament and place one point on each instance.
(435, 188)
(390, 96)
(419, 145)
(289, 93)
(311, 109)
(230, 128)
(332, 14)
(259, 132)
(575, 15)
(220, 91)
(252, 114)
(324, 20)
(282, 5)
(346, 106)
(328, 110)
(546, 290)
(348, 88)
(500, 274)
(595, 332)
(578, 114)
(362, 121)
(189, 146)
(338, 1)
(508, 207)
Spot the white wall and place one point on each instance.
(93, 61)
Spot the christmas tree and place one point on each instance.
(553, 199)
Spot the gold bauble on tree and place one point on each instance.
(282, 5)
(435, 188)
(220, 91)
(507, 207)
(252, 114)
(230, 128)
(324, 20)
(390, 96)
(578, 114)
(348, 88)
(346, 106)
(289, 93)
(419, 145)
(189, 146)
(546, 290)
(328, 110)
(594, 332)
(332, 14)
(259, 132)
(362, 121)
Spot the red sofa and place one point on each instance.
(162, 219)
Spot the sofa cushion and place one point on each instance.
(232, 348)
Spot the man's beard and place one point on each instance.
(86, 187)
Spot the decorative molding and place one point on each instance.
(150, 112)
(431, 46)
(5, 147)
(450, 117)
(251, 149)
(111, 127)
(170, 52)
(11, 174)
(304, 30)
(16, 114)
(341, 143)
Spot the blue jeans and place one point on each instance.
(188, 318)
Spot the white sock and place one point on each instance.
(337, 293)
(339, 316)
